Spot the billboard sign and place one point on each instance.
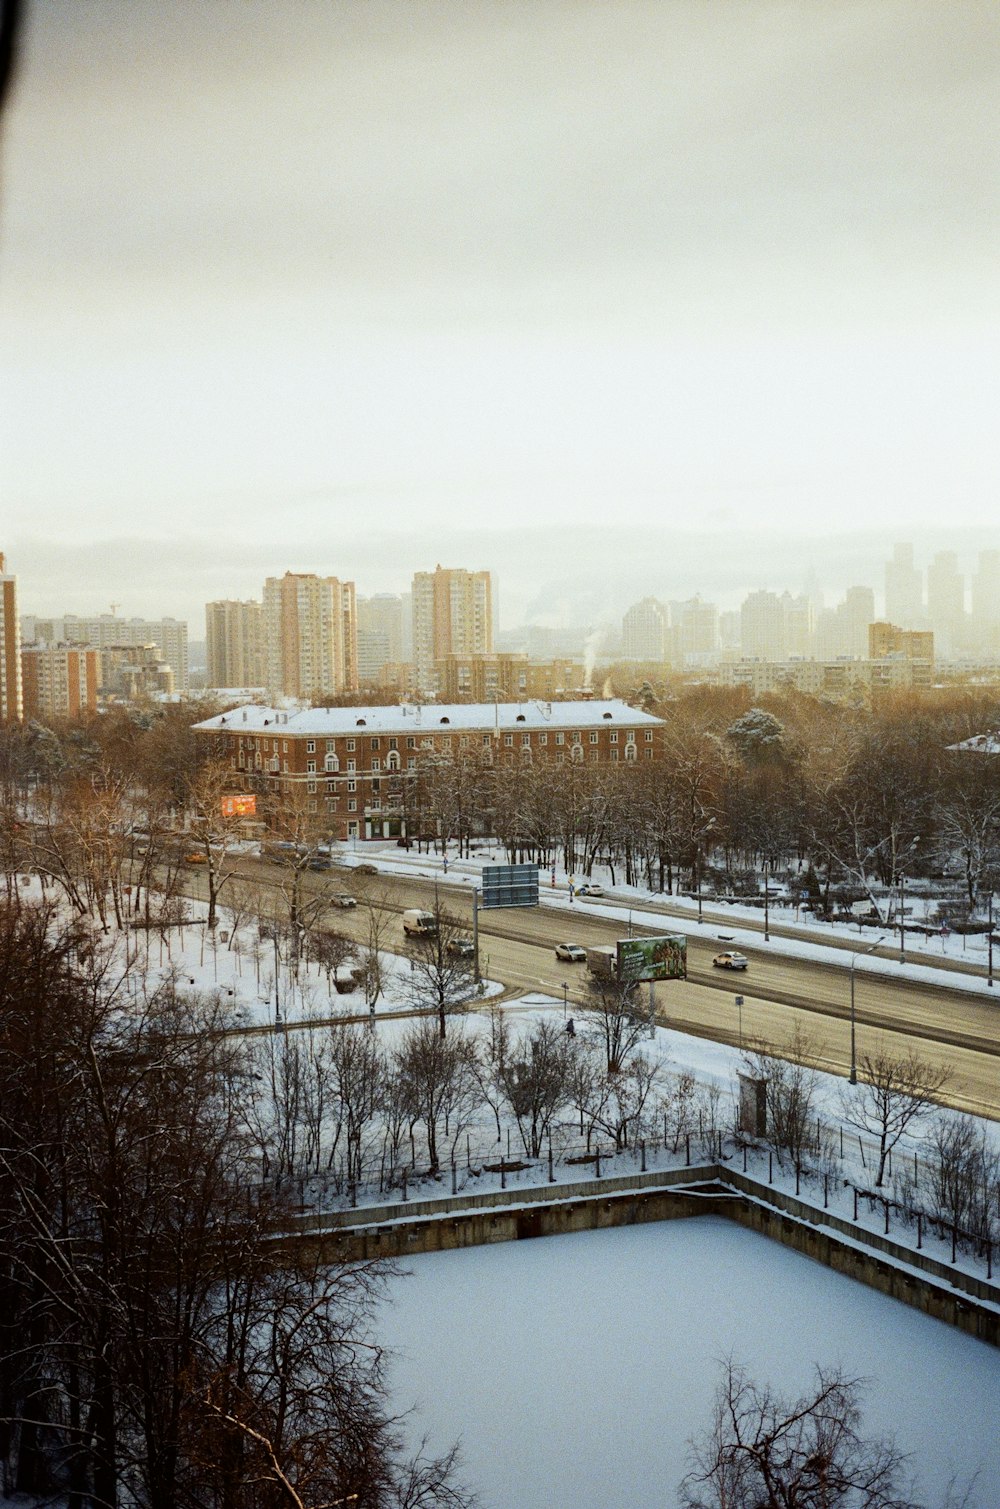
(240, 805)
(510, 885)
(662, 958)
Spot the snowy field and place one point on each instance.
(576, 1368)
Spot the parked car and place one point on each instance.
(195, 859)
(321, 862)
(460, 946)
(342, 899)
(590, 889)
(730, 960)
(573, 953)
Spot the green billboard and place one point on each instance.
(653, 958)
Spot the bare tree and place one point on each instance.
(535, 1080)
(790, 1091)
(494, 1049)
(894, 1091)
(763, 1451)
(615, 1017)
(378, 924)
(441, 970)
(620, 1107)
(965, 1175)
(435, 1076)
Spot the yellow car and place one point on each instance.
(195, 859)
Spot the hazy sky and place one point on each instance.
(613, 297)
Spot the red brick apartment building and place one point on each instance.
(354, 762)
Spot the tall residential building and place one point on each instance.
(380, 635)
(985, 616)
(857, 612)
(644, 631)
(762, 627)
(310, 635)
(11, 699)
(697, 624)
(452, 615)
(946, 601)
(800, 621)
(60, 681)
(234, 644)
(842, 632)
(904, 594)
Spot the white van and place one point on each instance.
(419, 924)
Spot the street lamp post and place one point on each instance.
(902, 919)
(739, 1008)
(853, 1076)
(767, 892)
(989, 942)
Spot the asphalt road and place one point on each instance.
(781, 995)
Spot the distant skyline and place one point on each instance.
(611, 297)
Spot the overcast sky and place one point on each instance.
(612, 297)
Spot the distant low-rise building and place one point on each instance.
(134, 673)
(887, 641)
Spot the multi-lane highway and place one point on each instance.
(781, 993)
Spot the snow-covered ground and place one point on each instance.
(575, 1369)
(241, 968)
(631, 1322)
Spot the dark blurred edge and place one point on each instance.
(10, 16)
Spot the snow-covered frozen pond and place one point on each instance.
(575, 1368)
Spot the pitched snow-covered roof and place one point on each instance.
(326, 722)
(979, 744)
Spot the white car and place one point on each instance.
(590, 889)
(573, 953)
(342, 899)
(730, 960)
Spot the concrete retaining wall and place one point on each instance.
(962, 1300)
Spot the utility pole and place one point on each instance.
(475, 934)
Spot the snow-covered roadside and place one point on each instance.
(235, 962)
(830, 945)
